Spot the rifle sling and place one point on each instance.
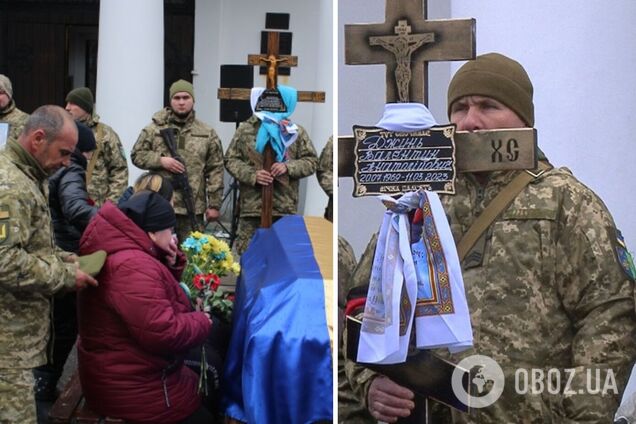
(495, 207)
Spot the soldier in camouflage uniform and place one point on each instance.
(325, 175)
(9, 112)
(350, 408)
(245, 164)
(31, 267)
(200, 148)
(107, 172)
(550, 284)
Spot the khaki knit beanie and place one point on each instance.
(181, 86)
(82, 97)
(496, 76)
(5, 85)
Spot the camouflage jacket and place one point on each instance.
(15, 118)
(325, 168)
(242, 161)
(350, 410)
(546, 290)
(325, 175)
(109, 178)
(31, 267)
(200, 148)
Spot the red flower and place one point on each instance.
(199, 281)
(216, 281)
(202, 281)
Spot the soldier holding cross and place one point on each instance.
(245, 163)
(549, 282)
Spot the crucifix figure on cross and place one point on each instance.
(402, 46)
(272, 68)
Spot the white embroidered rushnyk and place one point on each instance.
(394, 266)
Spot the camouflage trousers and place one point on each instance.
(350, 408)
(184, 228)
(246, 229)
(17, 401)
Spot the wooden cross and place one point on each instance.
(273, 61)
(405, 43)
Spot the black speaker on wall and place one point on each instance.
(277, 20)
(236, 76)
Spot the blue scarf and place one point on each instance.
(272, 130)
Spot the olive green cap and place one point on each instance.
(496, 76)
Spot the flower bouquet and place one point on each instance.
(209, 259)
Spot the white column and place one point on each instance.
(130, 67)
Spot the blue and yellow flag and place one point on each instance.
(279, 363)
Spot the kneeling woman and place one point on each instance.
(136, 326)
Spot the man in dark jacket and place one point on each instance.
(71, 209)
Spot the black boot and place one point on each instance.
(45, 385)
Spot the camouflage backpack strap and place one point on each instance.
(495, 207)
(91, 164)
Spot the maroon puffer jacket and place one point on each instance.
(134, 327)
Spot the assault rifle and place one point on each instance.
(180, 181)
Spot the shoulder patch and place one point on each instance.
(4, 232)
(4, 224)
(623, 255)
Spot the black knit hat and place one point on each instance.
(85, 138)
(82, 97)
(150, 211)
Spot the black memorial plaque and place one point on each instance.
(393, 163)
(270, 101)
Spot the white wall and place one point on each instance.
(227, 31)
(580, 58)
(129, 68)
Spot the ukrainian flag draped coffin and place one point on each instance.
(279, 364)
